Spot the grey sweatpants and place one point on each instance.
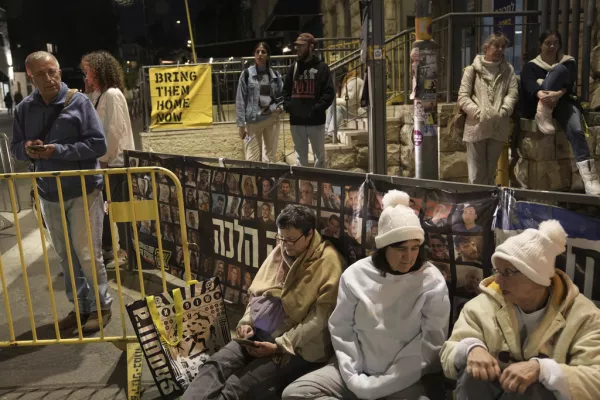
(301, 134)
(468, 388)
(482, 161)
(327, 383)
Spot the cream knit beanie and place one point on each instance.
(534, 251)
(398, 222)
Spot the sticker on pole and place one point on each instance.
(417, 137)
(378, 53)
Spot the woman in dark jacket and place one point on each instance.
(548, 91)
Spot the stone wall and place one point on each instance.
(220, 140)
(547, 161)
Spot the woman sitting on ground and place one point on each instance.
(390, 321)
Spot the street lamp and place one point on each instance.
(178, 22)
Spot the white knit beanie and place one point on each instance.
(398, 222)
(534, 251)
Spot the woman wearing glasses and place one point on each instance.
(549, 90)
(530, 334)
(257, 107)
(390, 321)
(285, 323)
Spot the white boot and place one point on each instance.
(543, 118)
(588, 172)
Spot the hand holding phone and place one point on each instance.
(36, 147)
(245, 342)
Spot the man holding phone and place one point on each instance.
(59, 130)
(283, 333)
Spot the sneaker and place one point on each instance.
(93, 323)
(70, 321)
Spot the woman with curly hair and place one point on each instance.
(105, 84)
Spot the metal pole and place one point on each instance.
(449, 62)
(554, 15)
(187, 11)
(424, 65)
(377, 107)
(564, 28)
(333, 109)
(545, 15)
(588, 16)
(406, 66)
(576, 12)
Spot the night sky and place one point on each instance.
(80, 26)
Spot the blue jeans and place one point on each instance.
(301, 134)
(567, 114)
(79, 249)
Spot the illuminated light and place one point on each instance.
(286, 49)
(178, 22)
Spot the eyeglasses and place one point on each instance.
(289, 242)
(507, 273)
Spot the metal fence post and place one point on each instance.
(449, 63)
(589, 11)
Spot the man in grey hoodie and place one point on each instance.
(60, 135)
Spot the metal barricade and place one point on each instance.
(119, 212)
(6, 167)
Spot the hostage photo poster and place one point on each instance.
(230, 215)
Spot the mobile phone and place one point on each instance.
(244, 342)
(36, 147)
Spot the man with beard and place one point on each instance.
(285, 194)
(265, 213)
(469, 216)
(203, 180)
(308, 92)
(467, 250)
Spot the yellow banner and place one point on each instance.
(181, 96)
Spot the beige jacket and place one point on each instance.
(488, 101)
(308, 296)
(569, 333)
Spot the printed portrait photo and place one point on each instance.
(465, 219)
(267, 212)
(353, 200)
(308, 193)
(191, 218)
(249, 186)
(248, 207)
(248, 278)
(203, 176)
(375, 205)
(467, 249)
(206, 269)
(173, 196)
(204, 201)
(436, 214)
(165, 213)
(134, 162)
(219, 271)
(163, 193)
(167, 232)
(232, 295)
(234, 276)
(330, 224)
(233, 183)
(266, 188)
(233, 207)
(444, 268)
(415, 204)
(218, 183)
(286, 190)
(437, 247)
(353, 228)
(218, 204)
(190, 198)
(331, 196)
(175, 215)
(190, 177)
(467, 280)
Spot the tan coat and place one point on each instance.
(308, 297)
(488, 101)
(569, 333)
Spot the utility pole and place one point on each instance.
(376, 73)
(424, 68)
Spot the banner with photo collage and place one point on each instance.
(230, 215)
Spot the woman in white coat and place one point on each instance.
(105, 83)
(487, 95)
(390, 321)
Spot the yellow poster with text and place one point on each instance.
(181, 97)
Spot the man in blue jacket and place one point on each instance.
(59, 137)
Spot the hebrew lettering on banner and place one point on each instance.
(230, 215)
(581, 260)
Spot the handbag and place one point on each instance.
(456, 123)
(178, 331)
